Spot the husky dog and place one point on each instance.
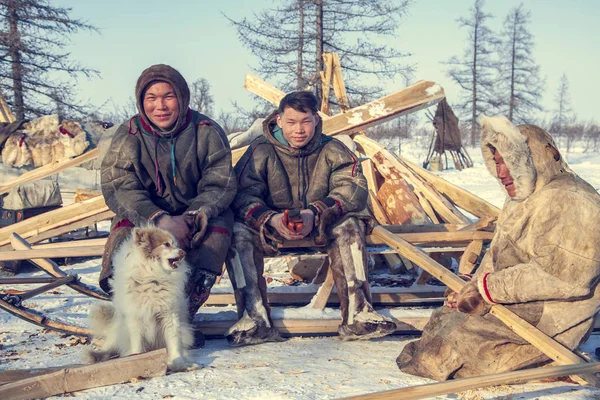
(149, 306)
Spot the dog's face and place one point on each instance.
(159, 246)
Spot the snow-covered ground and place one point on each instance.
(299, 368)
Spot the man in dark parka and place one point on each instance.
(294, 166)
(171, 166)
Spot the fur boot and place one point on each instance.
(245, 266)
(349, 266)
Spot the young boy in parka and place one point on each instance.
(171, 166)
(293, 166)
(543, 264)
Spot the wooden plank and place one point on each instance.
(56, 252)
(5, 112)
(72, 243)
(326, 82)
(425, 228)
(83, 223)
(482, 223)
(458, 385)
(49, 169)
(50, 267)
(420, 95)
(433, 295)
(543, 343)
(309, 327)
(119, 370)
(322, 296)
(439, 238)
(391, 167)
(12, 375)
(459, 196)
(339, 88)
(469, 259)
(54, 219)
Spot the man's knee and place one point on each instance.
(348, 231)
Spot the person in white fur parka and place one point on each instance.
(543, 264)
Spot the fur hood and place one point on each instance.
(164, 73)
(528, 151)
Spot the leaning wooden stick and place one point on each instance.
(120, 370)
(537, 338)
(458, 385)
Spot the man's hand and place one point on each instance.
(451, 299)
(470, 301)
(178, 227)
(308, 222)
(276, 221)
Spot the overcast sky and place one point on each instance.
(194, 37)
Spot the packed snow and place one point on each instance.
(299, 368)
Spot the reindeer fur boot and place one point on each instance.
(245, 266)
(349, 266)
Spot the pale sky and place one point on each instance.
(195, 38)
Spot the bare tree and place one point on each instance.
(277, 38)
(475, 71)
(200, 98)
(562, 112)
(284, 37)
(34, 67)
(520, 79)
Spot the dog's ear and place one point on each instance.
(139, 236)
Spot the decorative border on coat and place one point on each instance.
(483, 289)
(319, 206)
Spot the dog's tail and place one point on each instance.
(101, 317)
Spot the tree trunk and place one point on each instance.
(15, 55)
(474, 82)
(299, 69)
(319, 50)
(513, 61)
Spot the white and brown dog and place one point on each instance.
(149, 306)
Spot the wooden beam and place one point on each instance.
(459, 196)
(71, 243)
(5, 112)
(50, 267)
(49, 169)
(322, 296)
(469, 259)
(438, 238)
(458, 385)
(339, 88)
(543, 343)
(326, 82)
(313, 327)
(433, 295)
(54, 219)
(112, 372)
(421, 95)
(83, 223)
(56, 252)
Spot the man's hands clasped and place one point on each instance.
(295, 227)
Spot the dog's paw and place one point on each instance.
(182, 365)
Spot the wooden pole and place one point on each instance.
(459, 385)
(537, 338)
(112, 372)
(50, 267)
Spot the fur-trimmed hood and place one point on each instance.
(528, 151)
